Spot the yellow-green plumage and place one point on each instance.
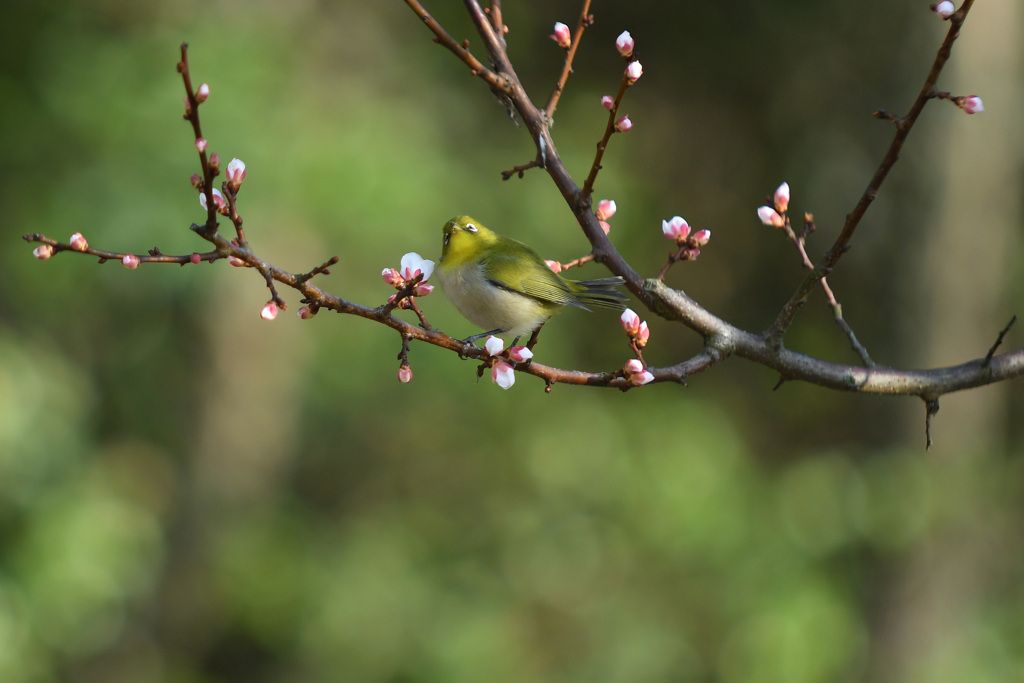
(504, 286)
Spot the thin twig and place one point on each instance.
(584, 21)
(903, 127)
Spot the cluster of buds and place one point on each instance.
(775, 216)
(638, 333)
(413, 266)
(637, 374)
(634, 70)
(636, 329)
(605, 209)
(503, 365)
(677, 229)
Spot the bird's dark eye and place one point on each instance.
(470, 227)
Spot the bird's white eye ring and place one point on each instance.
(470, 227)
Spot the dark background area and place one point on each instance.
(191, 494)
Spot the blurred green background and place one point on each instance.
(191, 494)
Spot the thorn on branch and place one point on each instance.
(931, 406)
(999, 341)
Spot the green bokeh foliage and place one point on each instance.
(190, 494)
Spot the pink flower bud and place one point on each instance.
(944, 9)
(634, 71)
(422, 289)
(391, 277)
(554, 265)
(196, 180)
(624, 44)
(623, 124)
(404, 373)
(640, 379)
(195, 258)
(269, 311)
(633, 366)
(520, 354)
(201, 145)
(236, 172)
(605, 226)
(78, 243)
(218, 199)
(562, 36)
(607, 102)
(701, 237)
(305, 312)
(782, 198)
(202, 93)
(130, 261)
(642, 335)
(215, 161)
(972, 105)
(503, 374)
(676, 228)
(770, 216)
(630, 322)
(43, 252)
(237, 262)
(494, 345)
(188, 107)
(605, 209)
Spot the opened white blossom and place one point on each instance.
(413, 265)
(676, 228)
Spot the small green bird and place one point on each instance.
(504, 286)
